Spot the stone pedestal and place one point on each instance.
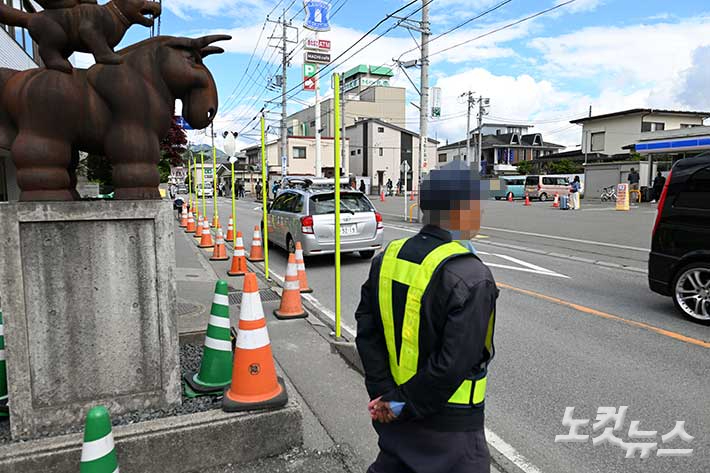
(88, 294)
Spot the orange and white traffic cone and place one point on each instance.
(200, 228)
(220, 249)
(291, 305)
(527, 200)
(206, 240)
(510, 197)
(411, 196)
(382, 195)
(191, 227)
(301, 267)
(183, 216)
(230, 230)
(254, 381)
(257, 250)
(556, 202)
(239, 261)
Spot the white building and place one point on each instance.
(610, 133)
(17, 51)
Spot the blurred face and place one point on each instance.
(463, 219)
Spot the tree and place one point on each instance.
(172, 148)
(564, 166)
(525, 167)
(98, 169)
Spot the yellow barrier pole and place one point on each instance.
(265, 236)
(234, 212)
(336, 166)
(189, 183)
(202, 174)
(215, 217)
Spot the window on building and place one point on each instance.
(299, 152)
(313, 123)
(381, 152)
(652, 126)
(380, 129)
(352, 153)
(598, 141)
(498, 131)
(20, 35)
(442, 157)
(359, 151)
(696, 194)
(688, 125)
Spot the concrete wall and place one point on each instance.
(599, 175)
(626, 129)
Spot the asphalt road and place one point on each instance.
(569, 333)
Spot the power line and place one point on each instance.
(509, 25)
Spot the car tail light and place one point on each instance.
(539, 187)
(307, 224)
(662, 202)
(378, 219)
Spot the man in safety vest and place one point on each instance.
(425, 328)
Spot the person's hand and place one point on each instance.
(380, 411)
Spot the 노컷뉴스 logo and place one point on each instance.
(317, 12)
(611, 420)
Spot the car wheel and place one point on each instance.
(510, 196)
(290, 244)
(543, 197)
(497, 198)
(367, 254)
(691, 292)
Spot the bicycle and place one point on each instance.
(608, 194)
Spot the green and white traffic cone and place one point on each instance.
(98, 454)
(216, 368)
(3, 371)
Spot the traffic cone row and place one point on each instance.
(206, 237)
(98, 454)
(215, 369)
(257, 250)
(3, 371)
(220, 249)
(183, 217)
(239, 261)
(200, 227)
(230, 230)
(291, 306)
(254, 382)
(556, 202)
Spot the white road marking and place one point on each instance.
(575, 240)
(531, 266)
(510, 453)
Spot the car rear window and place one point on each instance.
(695, 194)
(325, 203)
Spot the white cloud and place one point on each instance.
(694, 90)
(581, 5)
(187, 9)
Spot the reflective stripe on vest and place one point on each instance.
(417, 277)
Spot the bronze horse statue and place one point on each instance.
(119, 111)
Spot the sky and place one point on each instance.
(607, 54)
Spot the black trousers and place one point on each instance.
(410, 448)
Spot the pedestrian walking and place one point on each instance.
(634, 180)
(659, 183)
(258, 190)
(389, 187)
(241, 189)
(275, 188)
(399, 186)
(574, 191)
(426, 341)
(362, 186)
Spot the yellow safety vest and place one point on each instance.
(417, 277)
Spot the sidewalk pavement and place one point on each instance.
(338, 435)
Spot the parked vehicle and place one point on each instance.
(679, 263)
(509, 186)
(182, 189)
(307, 215)
(207, 191)
(544, 188)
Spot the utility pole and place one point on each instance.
(319, 159)
(283, 46)
(424, 99)
(470, 101)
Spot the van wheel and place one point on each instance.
(497, 198)
(691, 292)
(543, 197)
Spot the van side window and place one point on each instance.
(695, 194)
(549, 181)
(531, 181)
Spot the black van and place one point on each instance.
(679, 264)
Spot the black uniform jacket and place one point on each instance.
(456, 308)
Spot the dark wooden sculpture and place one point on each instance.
(120, 111)
(120, 108)
(84, 27)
